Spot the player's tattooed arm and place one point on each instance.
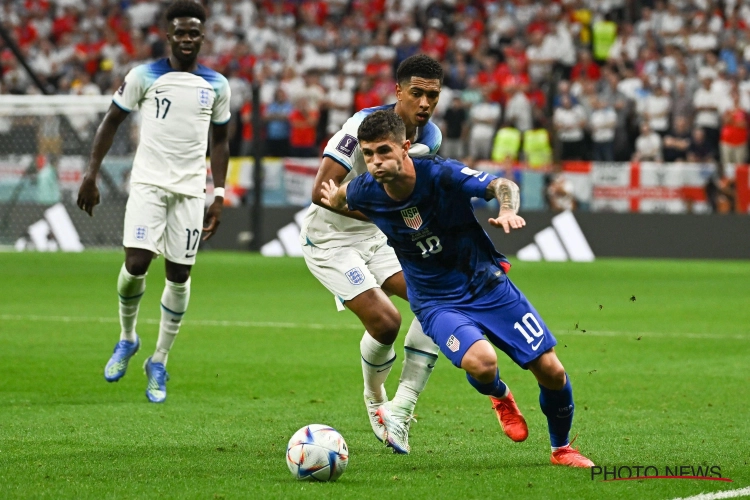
(506, 192)
(508, 195)
(333, 196)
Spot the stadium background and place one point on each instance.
(555, 94)
(657, 348)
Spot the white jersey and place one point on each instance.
(177, 108)
(325, 229)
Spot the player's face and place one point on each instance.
(185, 37)
(384, 158)
(418, 99)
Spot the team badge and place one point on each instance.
(204, 97)
(141, 232)
(347, 145)
(355, 276)
(453, 344)
(412, 218)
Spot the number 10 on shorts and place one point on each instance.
(533, 326)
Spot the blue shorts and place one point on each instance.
(504, 316)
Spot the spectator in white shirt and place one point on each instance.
(602, 124)
(569, 122)
(656, 109)
(541, 55)
(647, 145)
(483, 118)
(626, 45)
(706, 104)
(518, 108)
(671, 22)
(702, 40)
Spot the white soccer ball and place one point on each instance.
(317, 453)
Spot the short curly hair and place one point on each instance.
(186, 8)
(421, 66)
(383, 124)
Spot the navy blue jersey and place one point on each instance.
(445, 254)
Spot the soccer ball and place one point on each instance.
(317, 453)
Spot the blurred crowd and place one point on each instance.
(536, 81)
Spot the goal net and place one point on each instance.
(45, 142)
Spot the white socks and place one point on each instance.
(174, 302)
(130, 289)
(420, 355)
(377, 360)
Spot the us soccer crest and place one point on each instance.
(412, 218)
(453, 344)
(204, 97)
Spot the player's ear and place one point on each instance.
(398, 91)
(405, 147)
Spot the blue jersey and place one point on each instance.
(326, 229)
(445, 254)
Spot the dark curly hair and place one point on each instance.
(186, 8)
(421, 66)
(383, 124)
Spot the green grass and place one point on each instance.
(662, 380)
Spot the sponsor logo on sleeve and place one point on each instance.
(122, 88)
(481, 176)
(347, 145)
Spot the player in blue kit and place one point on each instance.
(456, 280)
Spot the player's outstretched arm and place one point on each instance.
(88, 193)
(508, 196)
(219, 162)
(333, 196)
(331, 171)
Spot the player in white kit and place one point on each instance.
(179, 101)
(352, 259)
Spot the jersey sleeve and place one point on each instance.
(470, 182)
(132, 90)
(353, 193)
(220, 113)
(343, 147)
(432, 137)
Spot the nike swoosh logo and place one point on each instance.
(430, 366)
(188, 256)
(384, 369)
(175, 320)
(535, 347)
(160, 91)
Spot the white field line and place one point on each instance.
(744, 492)
(319, 326)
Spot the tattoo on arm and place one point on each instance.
(507, 194)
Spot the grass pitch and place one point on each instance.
(660, 380)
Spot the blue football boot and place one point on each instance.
(156, 373)
(118, 363)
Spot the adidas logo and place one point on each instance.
(54, 232)
(563, 241)
(287, 241)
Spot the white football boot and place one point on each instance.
(396, 429)
(372, 406)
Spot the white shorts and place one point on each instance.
(164, 222)
(349, 271)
